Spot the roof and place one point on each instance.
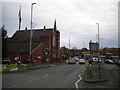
(24, 35)
(21, 47)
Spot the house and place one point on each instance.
(110, 52)
(45, 45)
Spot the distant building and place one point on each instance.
(45, 45)
(85, 53)
(110, 52)
(94, 48)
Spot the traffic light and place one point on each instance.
(46, 51)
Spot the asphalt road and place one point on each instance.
(61, 76)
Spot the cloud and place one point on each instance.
(75, 19)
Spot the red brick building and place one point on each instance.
(45, 45)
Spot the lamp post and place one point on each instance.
(69, 47)
(31, 33)
(98, 34)
(101, 43)
(98, 45)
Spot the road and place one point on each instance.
(61, 76)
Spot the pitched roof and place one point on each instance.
(24, 35)
(18, 47)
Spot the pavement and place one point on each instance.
(38, 66)
(95, 74)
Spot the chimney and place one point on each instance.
(44, 28)
(25, 28)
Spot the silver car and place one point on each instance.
(81, 61)
(71, 61)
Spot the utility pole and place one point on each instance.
(31, 33)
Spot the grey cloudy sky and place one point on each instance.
(75, 19)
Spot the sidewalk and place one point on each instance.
(31, 67)
(95, 74)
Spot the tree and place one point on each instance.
(64, 52)
(74, 48)
(74, 51)
(4, 42)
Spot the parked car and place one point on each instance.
(109, 61)
(118, 62)
(76, 58)
(96, 60)
(81, 61)
(71, 61)
(6, 61)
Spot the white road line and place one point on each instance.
(8, 75)
(76, 83)
(41, 77)
(13, 86)
(37, 78)
(29, 81)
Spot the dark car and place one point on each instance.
(109, 61)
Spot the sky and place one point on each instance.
(76, 19)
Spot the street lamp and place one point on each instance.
(98, 46)
(98, 34)
(31, 33)
(101, 43)
(69, 47)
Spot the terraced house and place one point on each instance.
(45, 45)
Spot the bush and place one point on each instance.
(8, 67)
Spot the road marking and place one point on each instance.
(6, 75)
(37, 78)
(41, 77)
(29, 81)
(76, 83)
(13, 86)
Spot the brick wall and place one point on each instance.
(23, 56)
(37, 54)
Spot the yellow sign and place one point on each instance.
(86, 52)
